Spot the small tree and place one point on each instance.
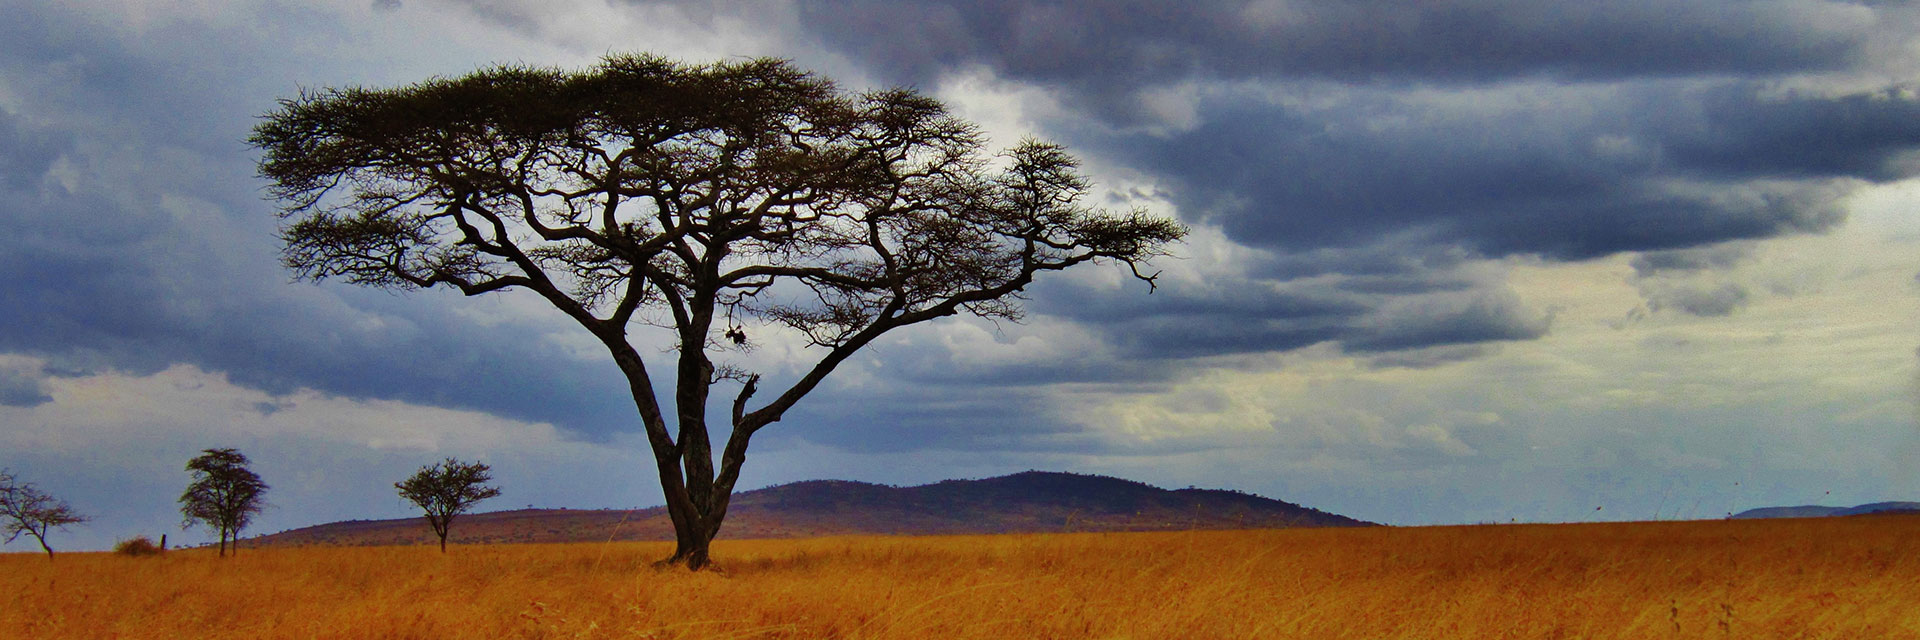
(445, 490)
(721, 203)
(224, 495)
(31, 511)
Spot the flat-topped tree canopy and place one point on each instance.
(710, 200)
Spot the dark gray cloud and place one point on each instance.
(1652, 125)
(1406, 265)
(1723, 256)
(1707, 301)
(1386, 143)
(1430, 357)
(932, 418)
(1740, 131)
(1225, 317)
(939, 366)
(1635, 170)
(1368, 313)
(1106, 50)
(23, 387)
(137, 240)
(146, 302)
(1452, 320)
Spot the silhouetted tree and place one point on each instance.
(31, 511)
(447, 489)
(224, 495)
(720, 202)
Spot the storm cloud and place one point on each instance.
(1110, 49)
(137, 240)
(1387, 143)
(1631, 170)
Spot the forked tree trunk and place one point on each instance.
(692, 544)
(693, 532)
(696, 496)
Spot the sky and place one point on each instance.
(1450, 261)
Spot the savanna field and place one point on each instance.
(1839, 578)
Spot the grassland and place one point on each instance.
(1820, 578)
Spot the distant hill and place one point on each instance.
(1033, 501)
(1815, 511)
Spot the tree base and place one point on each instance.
(692, 560)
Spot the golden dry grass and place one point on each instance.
(1840, 578)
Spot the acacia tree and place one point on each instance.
(31, 511)
(224, 495)
(727, 204)
(447, 489)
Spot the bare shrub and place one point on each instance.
(138, 546)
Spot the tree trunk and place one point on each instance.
(443, 543)
(692, 544)
(693, 552)
(693, 532)
(43, 545)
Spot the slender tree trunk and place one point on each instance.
(680, 511)
(443, 543)
(679, 508)
(43, 545)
